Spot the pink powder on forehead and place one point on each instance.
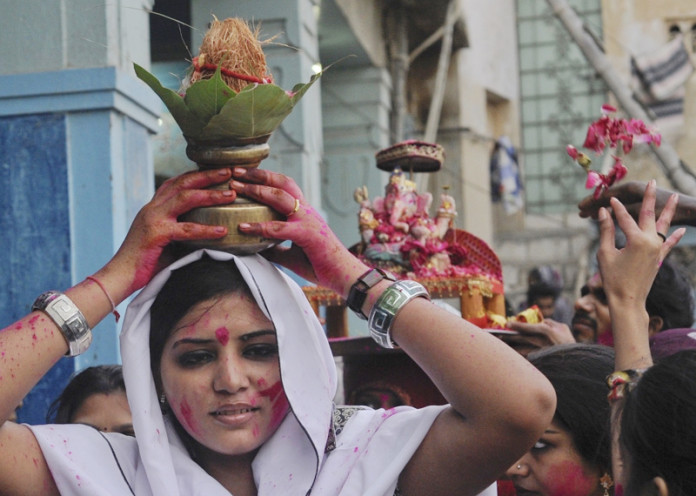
(570, 479)
(222, 335)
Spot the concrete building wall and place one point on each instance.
(641, 27)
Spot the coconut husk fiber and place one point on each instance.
(232, 45)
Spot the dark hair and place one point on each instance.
(670, 297)
(100, 379)
(199, 281)
(658, 426)
(540, 290)
(578, 374)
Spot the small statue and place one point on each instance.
(397, 227)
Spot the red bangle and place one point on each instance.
(117, 315)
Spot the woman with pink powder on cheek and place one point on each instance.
(231, 382)
(573, 455)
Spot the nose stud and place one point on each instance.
(519, 467)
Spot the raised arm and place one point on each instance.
(627, 275)
(500, 404)
(31, 346)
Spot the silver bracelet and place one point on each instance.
(68, 318)
(388, 305)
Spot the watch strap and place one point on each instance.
(358, 291)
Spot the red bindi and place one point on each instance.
(222, 335)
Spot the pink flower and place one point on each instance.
(572, 151)
(617, 172)
(615, 133)
(593, 179)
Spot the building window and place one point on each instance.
(560, 94)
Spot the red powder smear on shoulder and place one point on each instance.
(33, 320)
(571, 479)
(222, 335)
(188, 415)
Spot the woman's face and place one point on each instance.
(553, 467)
(106, 412)
(221, 377)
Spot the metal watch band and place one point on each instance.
(358, 291)
(68, 318)
(382, 315)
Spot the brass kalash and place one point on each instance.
(227, 112)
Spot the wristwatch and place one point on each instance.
(68, 318)
(358, 291)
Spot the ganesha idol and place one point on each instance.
(397, 228)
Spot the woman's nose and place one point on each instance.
(230, 377)
(518, 469)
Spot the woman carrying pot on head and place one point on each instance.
(231, 380)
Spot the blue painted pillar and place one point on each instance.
(75, 156)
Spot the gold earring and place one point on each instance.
(606, 482)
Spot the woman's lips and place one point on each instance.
(234, 415)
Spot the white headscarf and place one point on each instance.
(369, 454)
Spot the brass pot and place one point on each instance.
(240, 153)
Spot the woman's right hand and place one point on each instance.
(144, 251)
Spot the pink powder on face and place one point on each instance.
(279, 403)
(222, 335)
(570, 479)
(187, 414)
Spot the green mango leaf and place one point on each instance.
(212, 111)
(187, 120)
(206, 97)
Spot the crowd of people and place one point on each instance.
(231, 383)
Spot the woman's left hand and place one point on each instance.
(629, 272)
(316, 253)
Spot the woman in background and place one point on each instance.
(96, 397)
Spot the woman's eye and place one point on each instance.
(261, 351)
(540, 445)
(195, 358)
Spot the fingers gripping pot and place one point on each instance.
(244, 153)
